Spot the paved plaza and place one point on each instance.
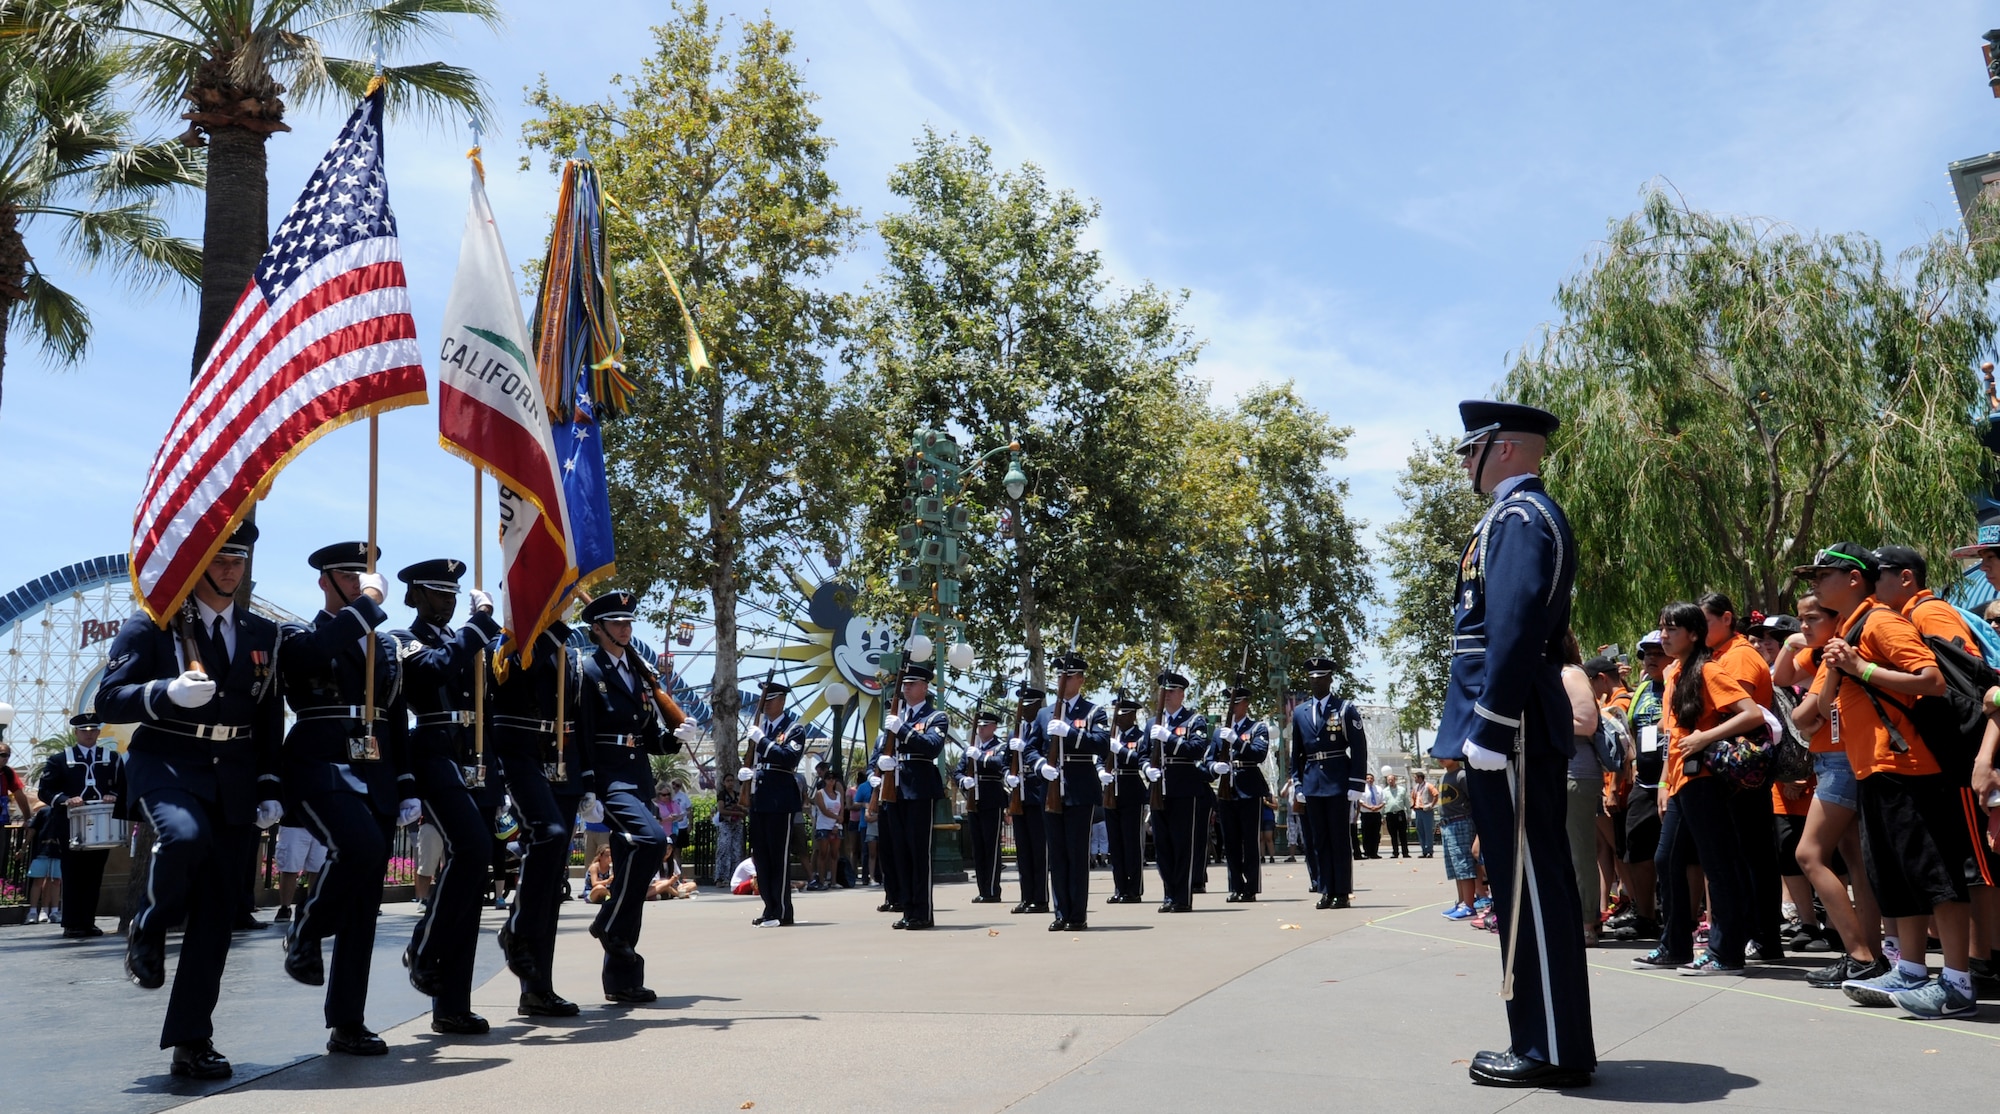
(1272, 1006)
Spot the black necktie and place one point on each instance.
(218, 651)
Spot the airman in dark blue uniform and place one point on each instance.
(202, 767)
(1241, 745)
(86, 773)
(1125, 819)
(1507, 717)
(1179, 738)
(1073, 739)
(1329, 759)
(441, 666)
(537, 722)
(345, 775)
(778, 743)
(628, 732)
(921, 731)
(1031, 837)
(982, 774)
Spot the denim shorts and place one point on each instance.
(1458, 861)
(1836, 780)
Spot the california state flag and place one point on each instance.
(490, 412)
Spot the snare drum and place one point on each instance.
(91, 827)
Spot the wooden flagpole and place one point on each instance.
(368, 684)
(479, 582)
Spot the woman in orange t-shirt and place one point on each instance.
(1705, 705)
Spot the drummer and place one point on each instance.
(82, 774)
(203, 766)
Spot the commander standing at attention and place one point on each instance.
(1506, 716)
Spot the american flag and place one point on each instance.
(323, 335)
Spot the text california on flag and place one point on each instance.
(490, 412)
(323, 335)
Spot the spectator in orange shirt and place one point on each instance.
(1755, 830)
(1917, 827)
(1902, 586)
(1830, 846)
(1705, 705)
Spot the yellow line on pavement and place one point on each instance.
(1859, 1013)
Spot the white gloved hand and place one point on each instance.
(756, 734)
(687, 732)
(591, 810)
(408, 812)
(1160, 732)
(1152, 772)
(1106, 777)
(1225, 734)
(966, 783)
(481, 602)
(1354, 794)
(1048, 771)
(1011, 782)
(1015, 744)
(892, 724)
(375, 585)
(745, 774)
(1221, 768)
(191, 689)
(1058, 729)
(268, 814)
(875, 780)
(886, 763)
(1479, 758)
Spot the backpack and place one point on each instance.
(1952, 725)
(1609, 740)
(1983, 633)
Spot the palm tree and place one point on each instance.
(224, 65)
(66, 158)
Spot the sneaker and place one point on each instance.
(1459, 912)
(1935, 999)
(1701, 935)
(1481, 904)
(283, 915)
(1845, 969)
(1638, 928)
(1757, 953)
(1815, 940)
(1658, 958)
(1707, 964)
(1878, 990)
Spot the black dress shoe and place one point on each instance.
(915, 925)
(519, 960)
(1233, 898)
(302, 958)
(82, 933)
(1181, 907)
(1115, 899)
(1035, 907)
(1078, 926)
(1344, 901)
(901, 922)
(146, 963)
(200, 1060)
(426, 981)
(249, 923)
(1325, 902)
(537, 1004)
(1246, 897)
(460, 1024)
(631, 995)
(1505, 1069)
(355, 1040)
(982, 899)
(1166, 906)
(1058, 925)
(889, 907)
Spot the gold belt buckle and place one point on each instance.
(363, 748)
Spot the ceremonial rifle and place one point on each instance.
(1227, 789)
(743, 791)
(1014, 757)
(1159, 799)
(1053, 804)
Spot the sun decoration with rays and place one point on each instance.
(833, 644)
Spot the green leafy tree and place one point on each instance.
(992, 321)
(1423, 549)
(1735, 394)
(225, 66)
(718, 475)
(69, 162)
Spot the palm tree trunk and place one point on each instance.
(236, 228)
(13, 275)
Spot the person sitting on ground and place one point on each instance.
(743, 880)
(599, 876)
(669, 884)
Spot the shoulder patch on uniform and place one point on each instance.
(117, 663)
(407, 648)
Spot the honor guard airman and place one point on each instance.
(628, 733)
(1125, 817)
(1031, 837)
(777, 744)
(920, 731)
(1329, 760)
(83, 773)
(1241, 745)
(441, 666)
(1074, 737)
(202, 769)
(1180, 741)
(345, 776)
(1507, 717)
(982, 774)
(538, 726)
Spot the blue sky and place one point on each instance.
(1377, 201)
